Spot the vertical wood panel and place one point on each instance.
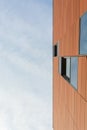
(79, 117)
(75, 128)
(71, 101)
(65, 13)
(83, 6)
(69, 93)
(82, 76)
(69, 105)
(68, 121)
(55, 95)
(86, 116)
(69, 45)
(76, 9)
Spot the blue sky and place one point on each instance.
(25, 65)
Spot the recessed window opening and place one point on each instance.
(55, 50)
(65, 67)
(68, 68)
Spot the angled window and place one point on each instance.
(68, 68)
(74, 71)
(83, 34)
(64, 67)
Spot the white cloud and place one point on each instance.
(23, 110)
(29, 38)
(25, 66)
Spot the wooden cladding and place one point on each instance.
(70, 108)
(69, 42)
(83, 7)
(65, 14)
(82, 77)
(66, 17)
(69, 105)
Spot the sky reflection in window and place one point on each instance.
(83, 34)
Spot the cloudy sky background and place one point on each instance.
(25, 65)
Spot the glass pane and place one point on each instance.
(60, 65)
(74, 70)
(83, 34)
(68, 67)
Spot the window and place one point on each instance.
(55, 50)
(68, 68)
(74, 68)
(64, 67)
(83, 34)
(60, 65)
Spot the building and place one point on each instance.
(70, 64)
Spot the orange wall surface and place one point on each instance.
(69, 105)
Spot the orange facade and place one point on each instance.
(69, 104)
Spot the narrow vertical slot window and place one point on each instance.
(55, 50)
(64, 67)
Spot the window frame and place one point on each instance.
(64, 75)
(55, 50)
(63, 66)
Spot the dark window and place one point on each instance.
(74, 68)
(55, 50)
(64, 67)
(83, 34)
